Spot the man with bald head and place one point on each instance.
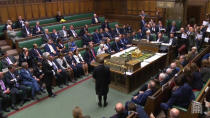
(141, 98)
(174, 113)
(120, 111)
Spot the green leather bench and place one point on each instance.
(59, 26)
(53, 20)
(1, 30)
(29, 43)
(178, 23)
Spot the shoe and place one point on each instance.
(14, 107)
(99, 104)
(52, 96)
(22, 103)
(60, 86)
(6, 110)
(105, 104)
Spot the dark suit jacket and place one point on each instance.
(139, 35)
(108, 34)
(86, 39)
(101, 74)
(70, 33)
(24, 32)
(88, 56)
(154, 30)
(18, 24)
(116, 46)
(197, 82)
(141, 99)
(9, 77)
(47, 49)
(93, 20)
(117, 33)
(105, 25)
(48, 73)
(35, 29)
(26, 77)
(23, 59)
(96, 37)
(46, 37)
(161, 40)
(70, 60)
(33, 54)
(82, 31)
(142, 23)
(173, 30)
(180, 97)
(5, 64)
(122, 115)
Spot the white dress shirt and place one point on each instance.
(77, 58)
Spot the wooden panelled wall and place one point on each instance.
(38, 10)
(132, 7)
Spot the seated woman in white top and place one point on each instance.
(80, 61)
(65, 66)
(101, 49)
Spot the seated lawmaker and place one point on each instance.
(78, 70)
(105, 24)
(117, 30)
(135, 110)
(63, 33)
(160, 38)
(61, 48)
(141, 98)
(205, 70)
(129, 28)
(24, 57)
(90, 54)
(83, 30)
(107, 46)
(120, 111)
(101, 49)
(139, 34)
(116, 46)
(72, 45)
(148, 37)
(35, 54)
(8, 60)
(96, 37)
(37, 29)
(80, 61)
(172, 28)
(60, 17)
(55, 36)
(29, 80)
(26, 30)
(181, 95)
(8, 25)
(107, 33)
(7, 93)
(51, 48)
(46, 36)
(72, 32)
(86, 38)
(20, 23)
(95, 19)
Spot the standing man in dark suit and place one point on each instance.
(8, 60)
(20, 22)
(101, 74)
(26, 30)
(37, 29)
(48, 73)
(142, 22)
(105, 24)
(95, 19)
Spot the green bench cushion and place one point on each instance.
(79, 43)
(178, 23)
(78, 16)
(180, 108)
(29, 43)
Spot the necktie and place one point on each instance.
(2, 85)
(54, 66)
(93, 53)
(97, 37)
(9, 61)
(37, 52)
(117, 46)
(13, 77)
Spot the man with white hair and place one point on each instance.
(117, 30)
(116, 46)
(161, 78)
(48, 73)
(27, 31)
(174, 67)
(101, 49)
(148, 36)
(37, 29)
(95, 19)
(174, 113)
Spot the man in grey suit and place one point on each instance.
(63, 33)
(8, 60)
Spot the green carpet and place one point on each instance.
(82, 95)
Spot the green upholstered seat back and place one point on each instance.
(29, 43)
